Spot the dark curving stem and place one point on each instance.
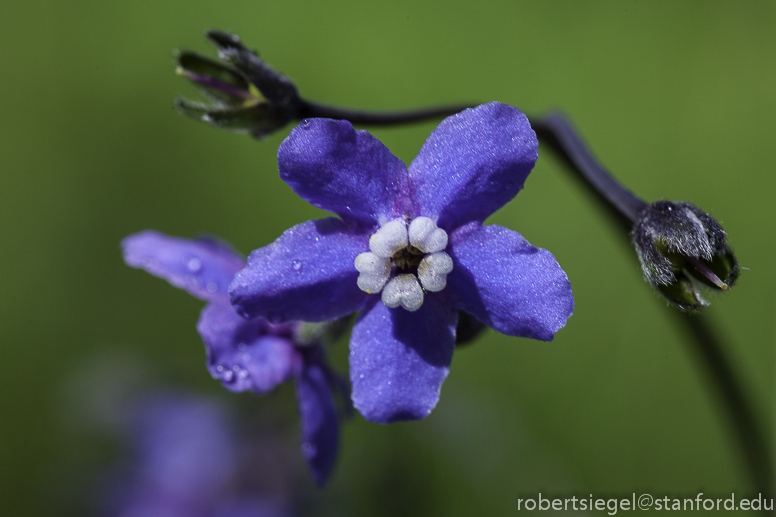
(558, 133)
(705, 342)
(366, 118)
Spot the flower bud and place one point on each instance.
(245, 94)
(681, 248)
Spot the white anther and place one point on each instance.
(372, 264)
(403, 290)
(389, 239)
(373, 272)
(433, 270)
(424, 235)
(371, 284)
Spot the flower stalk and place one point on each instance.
(630, 211)
(246, 95)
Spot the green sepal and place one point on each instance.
(259, 120)
(683, 294)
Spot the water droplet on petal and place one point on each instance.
(297, 265)
(212, 287)
(194, 264)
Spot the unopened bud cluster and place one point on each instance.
(681, 248)
(246, 95)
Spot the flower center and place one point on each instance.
(404, 262)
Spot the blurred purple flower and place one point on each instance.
(185, 463)
(248, 355)
(415, 236)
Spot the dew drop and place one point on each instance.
(241, 346)
(309, 448)
(194, 264)
(219, 368)
(228, 376)
(212, 287)
(242, 374)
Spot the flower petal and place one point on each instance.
(348, 172)
(203, 267)
(399, 359)
(319, 421)
(307, 274)
(240, 354)
(472, 164)
(509, 285)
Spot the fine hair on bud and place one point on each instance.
(680, 248)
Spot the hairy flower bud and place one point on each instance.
(681, 247)
(245, 93)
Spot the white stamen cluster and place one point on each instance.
(396, 247)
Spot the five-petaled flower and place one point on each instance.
(248, 355)
(409, 251)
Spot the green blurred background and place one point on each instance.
(676, 98)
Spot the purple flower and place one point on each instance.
(247, 355)
(186, 463)
(408, 252)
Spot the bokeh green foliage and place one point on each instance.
(677, 99)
